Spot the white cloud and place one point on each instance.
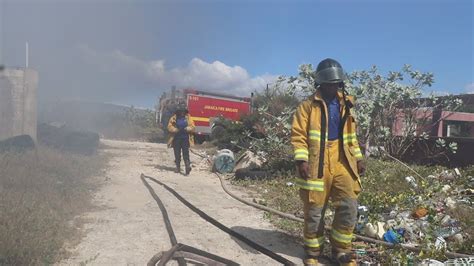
(215, 76)
(469, 88)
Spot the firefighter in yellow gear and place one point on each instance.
(329, 162)
(181, 128)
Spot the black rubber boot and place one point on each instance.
(178, 167)
(345, 259)
(188, 167)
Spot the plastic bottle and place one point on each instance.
(411, 180)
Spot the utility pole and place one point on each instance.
(2, 39)
(27, 55)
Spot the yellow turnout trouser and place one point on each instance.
(341, 186)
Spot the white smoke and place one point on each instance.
(199, 74)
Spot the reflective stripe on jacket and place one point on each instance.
(309, 133)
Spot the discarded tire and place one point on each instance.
(20, 143)
(217, 131)
(251, 174)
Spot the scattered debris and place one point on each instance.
(432, 262)
(363, 218)
(249, 160)
(420, 213)
(422, 219)
(446, 175)
(203, 165)
(440, 243)
(411, 180)
(427, 216)
(375, 231)
(456, 170)
(446, 188)
(393, 237)
(446, 220)
(450, 203)
(458, 238)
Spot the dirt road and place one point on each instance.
(128, 228)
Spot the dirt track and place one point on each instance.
(128, 228)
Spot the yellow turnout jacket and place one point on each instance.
(310, 130)
(172, 129)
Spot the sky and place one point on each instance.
(129, 52)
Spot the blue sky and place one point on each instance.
(130, 51)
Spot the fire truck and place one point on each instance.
(205, 108)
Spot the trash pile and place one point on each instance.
(426, 218)
(432, 213)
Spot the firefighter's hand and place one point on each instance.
(303, 169)
(361, 167)
(189, 129)
(173, 130)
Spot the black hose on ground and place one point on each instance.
(214, 222)
(169, 227)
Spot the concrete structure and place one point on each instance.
(18, 114)
(438, 123)
(441, 123)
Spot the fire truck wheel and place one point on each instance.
(217, 131)
(200, 139)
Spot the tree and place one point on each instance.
(266, 132)
(391, 113)
(383, 104)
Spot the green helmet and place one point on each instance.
(329, 71)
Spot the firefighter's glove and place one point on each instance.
(303, 169)
(189, 129)
(361, 167)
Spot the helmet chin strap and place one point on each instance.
(347, 106)
(347, 103)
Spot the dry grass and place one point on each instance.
(40, 193)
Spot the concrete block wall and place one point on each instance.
(18, 102)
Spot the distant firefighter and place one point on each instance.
(181, 128)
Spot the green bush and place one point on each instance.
(237, 134)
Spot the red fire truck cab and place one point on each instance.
(204, 107)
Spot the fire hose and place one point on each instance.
(164, 257)
(296, 219)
